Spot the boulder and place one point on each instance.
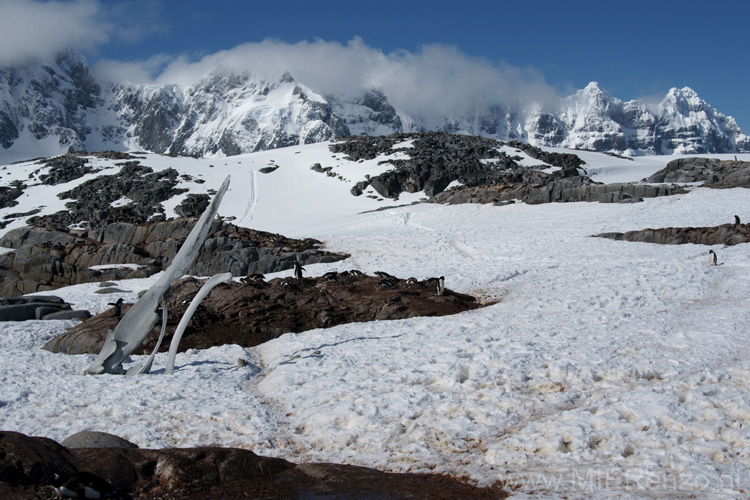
(62, 315)
(96, 439)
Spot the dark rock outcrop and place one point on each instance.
(65, 168)
(725, 234)
(46, 307)
(436, 159)
(555, 189)
(27, 464)
(9, 194)
(712, 172)
(254, 312)
(486, 174)
(93, 199)
(47, 258)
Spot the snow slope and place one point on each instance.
(603, 369)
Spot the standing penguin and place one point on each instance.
(441, 285)
(712, 257)
(298, 270)
(737, 220)
(117, 313)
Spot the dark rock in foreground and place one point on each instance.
(251, 313)
(47, 258)
(27, 463)
(726, 234)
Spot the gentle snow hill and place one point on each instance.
(605, 370)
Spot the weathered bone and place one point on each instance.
(205, 290)
(142, 368)
(139, 320)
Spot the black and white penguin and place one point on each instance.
(298, 270)
(117, 313)
(332, 277)
(441, 285)
(712, 257)
(737, 220)
(250, 278)
(82, 485)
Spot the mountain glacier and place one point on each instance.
(47, 109)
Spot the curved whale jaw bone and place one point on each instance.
(134, 326)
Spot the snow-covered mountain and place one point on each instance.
(46, 109)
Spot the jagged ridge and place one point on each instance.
(47, 109)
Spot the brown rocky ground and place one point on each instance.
(26, 464)
(256, 311)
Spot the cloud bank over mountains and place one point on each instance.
(434, 81)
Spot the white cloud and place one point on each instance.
(435, 80)
(31, 29)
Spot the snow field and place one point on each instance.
(600, 369)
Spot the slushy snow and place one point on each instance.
(601, 369)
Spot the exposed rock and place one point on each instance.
(437, 159)
(254, 312)
(47, 258)
(485, 174)
(555, 189)
(27, 463)
(65, 168)
(95, 439)
(9, 194)
(39, 307)
(712, 172)
(93, 200)
(193, 205)
(726, 234)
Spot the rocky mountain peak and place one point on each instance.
(61, 106)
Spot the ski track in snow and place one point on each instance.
(602, 369)
(248, 215)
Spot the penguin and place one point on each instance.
(385, 283)
(117, 313)
(737, 220)
(298, 270)
(82, 485)
(253, 278)
(332, 277)
(384, 275)
(712, 257)
(441, 285)
(356, 272)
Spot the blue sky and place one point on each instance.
(633, 49)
